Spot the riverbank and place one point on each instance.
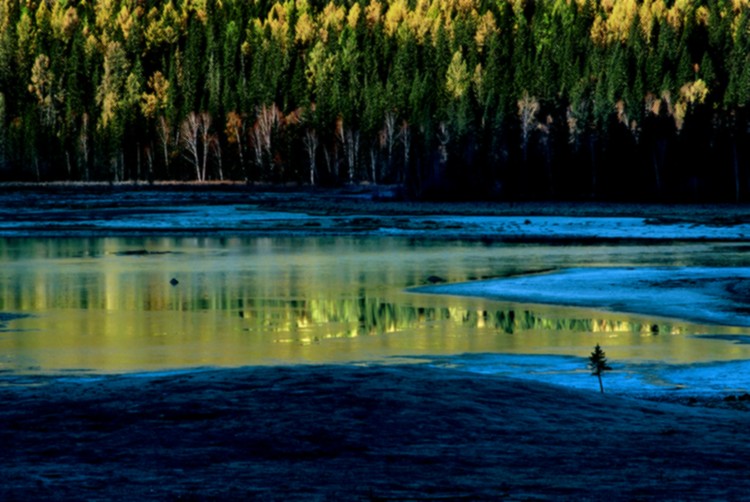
(232, 209)
(710, 295)
(357, 433)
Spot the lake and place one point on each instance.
(108, 305)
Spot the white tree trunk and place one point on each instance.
(311, 145)
(189, 137)
(204, 124)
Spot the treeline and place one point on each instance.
(521, 98)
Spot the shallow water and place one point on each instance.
(107, 305)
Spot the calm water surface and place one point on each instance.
(107, 305)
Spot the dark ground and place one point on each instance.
(221, 210)
(358, 433)
(351, 200)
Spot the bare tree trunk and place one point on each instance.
(546, 145)
(351, 149)
(269, 118)
(341, 140)
(189, 136)
(149, 163)
(527, 110)
(241, 154)
(216, 148)
(439, 170)
(257, 141)
(83, 146)
(404, 136)
(311, 145)
(204, 124)
(328, 159)
(388, 138)
(601, 385)
(349, 140)
(163, 129)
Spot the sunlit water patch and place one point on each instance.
(103, 305)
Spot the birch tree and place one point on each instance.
(189, 140)
(268, 119)
(311, 147)
(528, 107)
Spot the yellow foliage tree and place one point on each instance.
(42, 83)
(64, 21)
(373, 13)
(154, 102)
(110, 94)
(457, 77)
(691, 94)
(331, 19)
(397, 13)
(352, 19)
(486, 29)
(305, 29)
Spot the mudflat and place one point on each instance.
(70, 209)
(358, 433)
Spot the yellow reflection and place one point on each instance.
(108, 305)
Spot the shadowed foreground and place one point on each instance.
(358, 433)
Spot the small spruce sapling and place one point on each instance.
(598, 364)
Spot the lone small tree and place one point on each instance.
(598, 364)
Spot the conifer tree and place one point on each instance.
(598, 364)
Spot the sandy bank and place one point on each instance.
(358, 433)
(713, 295)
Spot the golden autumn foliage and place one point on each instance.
(155, 102)
(445, 68)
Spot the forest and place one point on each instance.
(512, 99)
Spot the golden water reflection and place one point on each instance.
(108, 304)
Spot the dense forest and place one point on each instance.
(608, 99)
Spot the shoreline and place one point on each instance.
(225, 210)
(379, 199)
(715, 296)
(361, 433)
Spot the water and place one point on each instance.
(106, 305)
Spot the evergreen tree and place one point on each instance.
(447, 74)
(598, 364)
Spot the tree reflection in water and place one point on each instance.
(107, 304)
(365, 316)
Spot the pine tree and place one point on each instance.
(598, 364)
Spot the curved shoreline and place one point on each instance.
(718, 296)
